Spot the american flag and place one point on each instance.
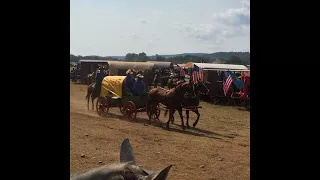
(181, 70)
(227, 85)
(197, 74)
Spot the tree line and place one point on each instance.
(219, 57)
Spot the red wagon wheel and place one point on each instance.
(123, 112)
(102, 106)
(130, 110)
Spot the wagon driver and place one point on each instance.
(129, 81)
(99, 78)
(139, 86)
(157, 78)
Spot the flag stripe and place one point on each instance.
(227, 85)
(197, 75)
(194, 79)
(181, 70)
(201, 75)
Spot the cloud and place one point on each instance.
(234, 22)
(134, 36)
(235, 16)
(203, 32)
(155, 37)
(143, 21)
(149, 27)
(157, 12)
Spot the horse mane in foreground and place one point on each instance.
(125, 170)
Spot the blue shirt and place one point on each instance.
(139, 87)
(129, 82)
(100, 77)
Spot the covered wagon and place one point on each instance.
(163, 65)
(88, 67)
(211, 70)
(113, 94)
(119, 68)
(213, 74)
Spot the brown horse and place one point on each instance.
(171, 98)
(92, 94)
(193, 100)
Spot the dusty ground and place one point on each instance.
(219, 148)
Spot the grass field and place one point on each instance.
(219, 148)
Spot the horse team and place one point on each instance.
(175, 99)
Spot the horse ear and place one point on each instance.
(162, 175)
(126, 152)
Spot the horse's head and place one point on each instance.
(201, 88)
(126, 169)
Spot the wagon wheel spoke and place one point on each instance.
(102, 106)
(122, 110)
(131, 110)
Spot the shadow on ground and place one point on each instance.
(173, 127)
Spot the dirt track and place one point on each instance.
(219, 148)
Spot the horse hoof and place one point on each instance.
(188, 127)
(183, 127)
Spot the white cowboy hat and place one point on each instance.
(140, 76)
(129, 71)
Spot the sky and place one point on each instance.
(118, 27)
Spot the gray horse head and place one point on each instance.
(125, 170)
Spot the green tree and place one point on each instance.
(160, 58)
(142, 57)
(132, 57)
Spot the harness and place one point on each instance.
(165, 95)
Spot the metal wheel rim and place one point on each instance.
(102, 108)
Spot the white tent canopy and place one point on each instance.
(217, 67)
(222, 67)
